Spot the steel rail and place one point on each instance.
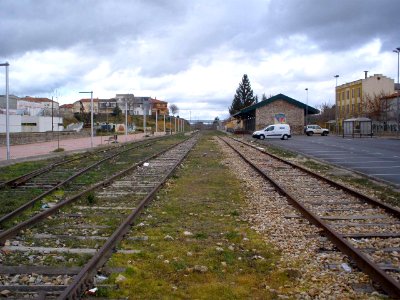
(30, 203)
(389, 208)
(11, 232)
(84, 279)
(25, 177)
(388, 284)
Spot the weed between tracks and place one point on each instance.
(192, 241)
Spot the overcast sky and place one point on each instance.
(194, 53)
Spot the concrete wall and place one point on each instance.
(294, 115)
(22, 138)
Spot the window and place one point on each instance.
(352, 93)
(343, 95)
(353, 107)
(359, 92)
(347, 94)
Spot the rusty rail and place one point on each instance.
(388, 284)
(84, 279)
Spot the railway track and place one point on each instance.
(45, 187)
(58, 253)
(365, 229)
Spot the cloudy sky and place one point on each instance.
(194, 53)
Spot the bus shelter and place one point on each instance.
(357, 127)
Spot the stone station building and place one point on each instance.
(277, 109)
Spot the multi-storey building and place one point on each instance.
(351, 97)
(159, 107)
(84, 105)
(31, 104)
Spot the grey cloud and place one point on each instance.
(338, 25)
(37, 25)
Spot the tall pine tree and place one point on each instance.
(244, 96)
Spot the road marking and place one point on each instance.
(386, 174)
(392, 167)
(370, 162)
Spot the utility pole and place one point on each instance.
(307, 107)
(52, 109)
(337, 106)
(6, 64)
(398, 90)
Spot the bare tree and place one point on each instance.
(327, 112)
(174, 109)
(376, 106)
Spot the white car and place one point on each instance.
(315, 129)
(281, 131)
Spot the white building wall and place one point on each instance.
(15, 123)
(377, 84)
(41, 124)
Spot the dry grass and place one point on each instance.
(205, 200)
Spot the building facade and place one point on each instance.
(159, 107)
(352, 98)
(84, 105)
(279, 109)
(31, 104)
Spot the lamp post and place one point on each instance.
(337, 106)
(6, 64)
(397, 50)
(91, 116)
(144, 118)
(126, 119)
(307, 107)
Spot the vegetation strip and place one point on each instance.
(197, 245)
(85, 276)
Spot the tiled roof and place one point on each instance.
(88, 100)
(38, 100)
(67, 106)
(311, 110)
(394, 95)
(157, 101)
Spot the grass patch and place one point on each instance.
(19, 169)
(379, 191)
(197, 246)
(315, 166)
(280, 152)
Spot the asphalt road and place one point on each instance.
(375, 157)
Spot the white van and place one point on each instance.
(281, 131)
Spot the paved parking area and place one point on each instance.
(375, 157)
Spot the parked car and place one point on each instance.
(281, 131)
(315, 129)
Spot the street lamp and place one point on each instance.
(91, 116)
(397, 50)
(126, 119)
(6, 64)
(307, 107)
(337, 106)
